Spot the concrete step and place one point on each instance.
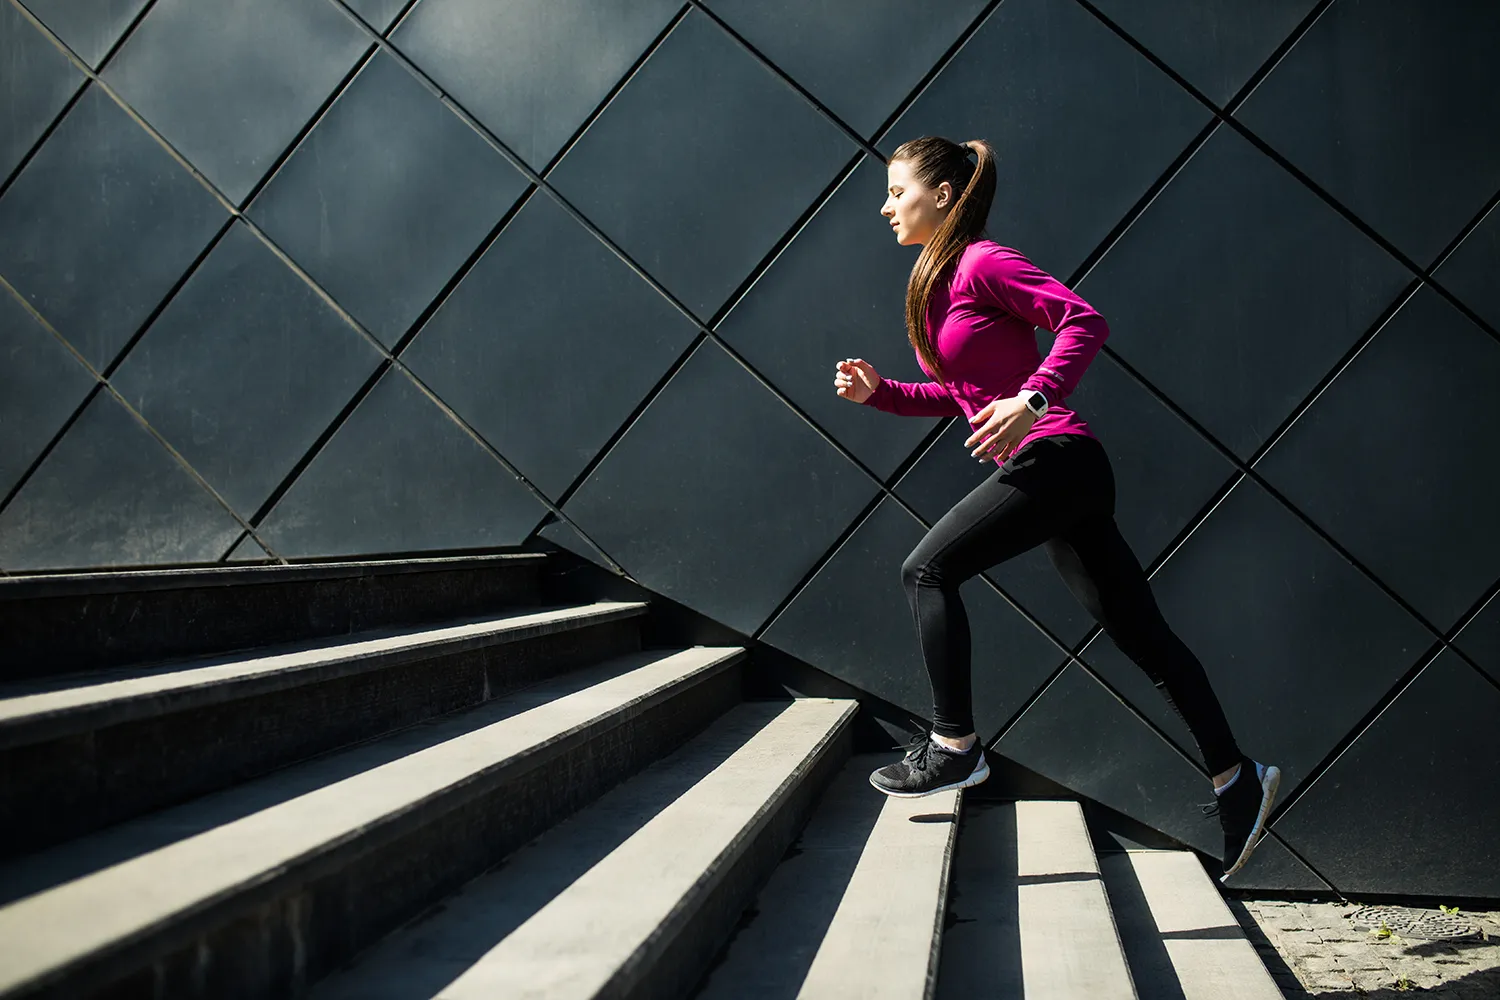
(55, 624)
(1182, 941)
(1030, 917)
(632, 896)
(856, 910)
(262, 889)
(81, 753)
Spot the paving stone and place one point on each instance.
(1326, 955)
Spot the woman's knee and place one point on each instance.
(919, 570)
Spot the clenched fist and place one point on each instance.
(855, 379)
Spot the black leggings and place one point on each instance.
(1058, 491)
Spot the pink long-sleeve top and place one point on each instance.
(984, 317)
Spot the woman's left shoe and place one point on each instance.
(1242, 808)
(930, 767)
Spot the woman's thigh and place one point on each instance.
(1038, 494)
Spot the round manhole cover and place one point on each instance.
(1410, 922)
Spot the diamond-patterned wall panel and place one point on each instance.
(548, 344)
(1216, 45)
(88, 27)
(391, 183)
(400, 476)
(41, 384)
(378, 14)
(1082, 125)
(748, 495)
(1394, 109)
(244, 405)
(1410, 490)
(387, 196)
(1272, 867)
(853, 619)
(230, 83)
(860, 58)
(1481, 638)
(36, 79)
(733, 158)
(110, 495)
(1414, 787)
(514, 65)
(247, 550)
(1208, 294)
(99, 225)
(1470, 272)
(837, 291)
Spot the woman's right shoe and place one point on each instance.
(930, 767)
(1242, 809)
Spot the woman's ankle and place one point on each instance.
(963, 743)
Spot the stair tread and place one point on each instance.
(858, 910)
(33, 712)
(1069, 943)
(1179, 932)
(109, 888)
(564, 914)
(1054, 935)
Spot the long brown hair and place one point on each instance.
(934, 159)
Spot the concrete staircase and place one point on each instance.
(442, 781)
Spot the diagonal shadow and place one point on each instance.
(421, 960)
(770, 952)
(981, 955)
(1145, 949)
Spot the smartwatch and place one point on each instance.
(1035, 401)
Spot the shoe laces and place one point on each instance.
(1211, 808)
(917, 749)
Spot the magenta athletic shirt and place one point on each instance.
(984, 317)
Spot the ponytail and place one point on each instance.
(934, 160)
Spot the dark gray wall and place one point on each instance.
(306, 278)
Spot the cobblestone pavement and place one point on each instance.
(1313, 950)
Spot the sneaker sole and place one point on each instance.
(978, 775)
(1269, 784)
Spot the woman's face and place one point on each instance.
(915, 211)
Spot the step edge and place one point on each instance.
(935, 958)
(48, 724)
(33, 586)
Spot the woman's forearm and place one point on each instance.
(913, 399)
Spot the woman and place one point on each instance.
(971, 306)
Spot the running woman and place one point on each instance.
(971, 306)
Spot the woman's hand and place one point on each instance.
(1005, 422)
(855, 379)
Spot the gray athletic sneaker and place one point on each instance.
(930, 767)
(1242, 809)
